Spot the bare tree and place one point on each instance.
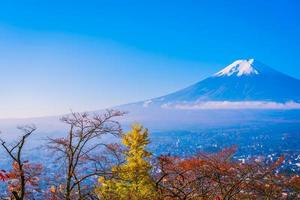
(15, 153)
(79, 150)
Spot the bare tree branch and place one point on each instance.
(77, 149)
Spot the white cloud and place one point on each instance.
(147, 103)
(223, 105)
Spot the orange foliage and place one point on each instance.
(31, 173)
(219, 177)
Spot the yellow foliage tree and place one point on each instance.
(132, 179)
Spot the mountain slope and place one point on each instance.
(243, 80)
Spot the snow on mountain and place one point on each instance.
(239, 68)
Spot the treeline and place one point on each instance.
(88, 168)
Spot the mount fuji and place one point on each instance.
(244, 91)
(244, 84)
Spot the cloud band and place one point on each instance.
(223, 105)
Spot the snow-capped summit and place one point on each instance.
(239, 68)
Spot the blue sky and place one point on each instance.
(86, 55)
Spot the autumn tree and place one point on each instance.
(24, 177)
(131, 180)
(219, 176)
(78, 153)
